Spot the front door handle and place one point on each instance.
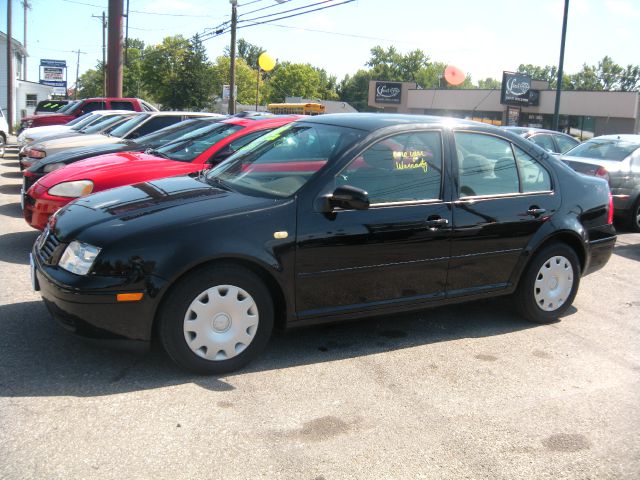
(436, 223)
(536, 212)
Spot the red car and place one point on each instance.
(196, 151)
(80, 107)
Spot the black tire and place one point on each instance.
(3, 145)
(182, 301)
(546, 304)
(634, 217)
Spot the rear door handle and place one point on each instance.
(436, 223)
(536, 212)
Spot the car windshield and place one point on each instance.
(127, 126)
(278, 164)
(83, 120)
(104, 124)
(188, 148)
(173, 132)
(70, 107)
(605, 149)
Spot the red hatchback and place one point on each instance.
(196, 151)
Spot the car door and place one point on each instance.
(394, 253)
(504, 197)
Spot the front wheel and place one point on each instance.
(549, 284)
(216, 320)
(3, 145)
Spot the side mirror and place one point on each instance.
(346, 197)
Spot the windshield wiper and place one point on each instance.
(156, 153)
(215, 181)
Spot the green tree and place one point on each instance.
(246, 78)
(175, 73)
(90, 83)
(489, 84)
(355, 90)
(609, 73)
(294, 80)
(247, 51)
(630, 78)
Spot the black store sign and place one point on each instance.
(388, 92)
(516, 90)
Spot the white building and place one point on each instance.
(26, 95)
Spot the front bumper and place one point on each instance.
(38, 205)
(87, 305)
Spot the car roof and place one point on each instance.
(531, 130)
(172, 113)
(261, 119)
(112, 112)
(625, 137)
(375, 121)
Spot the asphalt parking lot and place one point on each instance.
(470, 391)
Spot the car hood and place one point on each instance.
(79, 153)
(78, 140)
(610, 165)
(167, 203)
(122, 164)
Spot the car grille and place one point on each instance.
(28, 182)
(50, 248)
(29, 200)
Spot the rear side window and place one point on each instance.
(146, 107)
(155, 123)
(565, 143)
(545, 141)
(121, 105)
(91, 106)
(489, 165)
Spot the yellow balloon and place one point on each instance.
(266, 62)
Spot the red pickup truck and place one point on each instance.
(80, 107)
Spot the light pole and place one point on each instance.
(556, 111)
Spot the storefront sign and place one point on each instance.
(53, 73)
(515, 89)
(388, 92)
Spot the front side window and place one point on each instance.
(121, 105)
(155, 123)
(91, 106)
(278, 164)
(401, 168)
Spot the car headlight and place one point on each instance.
(35, 153)
(26, 123)
(76, 189)
(54, 166)
(78, 257)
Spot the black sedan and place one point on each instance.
(330, 218)
(550, 140)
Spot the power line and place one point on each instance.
(142, 11)
(366, 37)
(286, 11)
(264, 8)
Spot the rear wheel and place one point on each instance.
(549, 284)
(634, 216)
(216, 320)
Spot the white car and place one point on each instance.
(4, 132)
(141, 124)
(31, 135)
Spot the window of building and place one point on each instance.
(32, 100)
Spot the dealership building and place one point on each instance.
(582, 113)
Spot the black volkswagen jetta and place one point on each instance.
(332, 217)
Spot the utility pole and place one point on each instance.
(556, 111)
(104, 53)
(10, 119)
(75, 90)
(232, 54)
(126, 39)
(114, 61)
(27, 6)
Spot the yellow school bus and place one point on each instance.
(296, 108)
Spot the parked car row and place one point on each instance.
(237, 226)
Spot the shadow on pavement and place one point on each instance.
(11, 210)
(15, 247)
(11, 189)
(17, 175)
(629, 251)
(39, 358)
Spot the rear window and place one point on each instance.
(605, 149)
(122, 105)
(50, 106)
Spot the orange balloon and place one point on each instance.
(453, 75)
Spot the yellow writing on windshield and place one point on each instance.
(410, 160)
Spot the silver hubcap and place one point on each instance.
(221, 322)
(553, 283)
(638, 216)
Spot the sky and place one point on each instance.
(481, 37)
